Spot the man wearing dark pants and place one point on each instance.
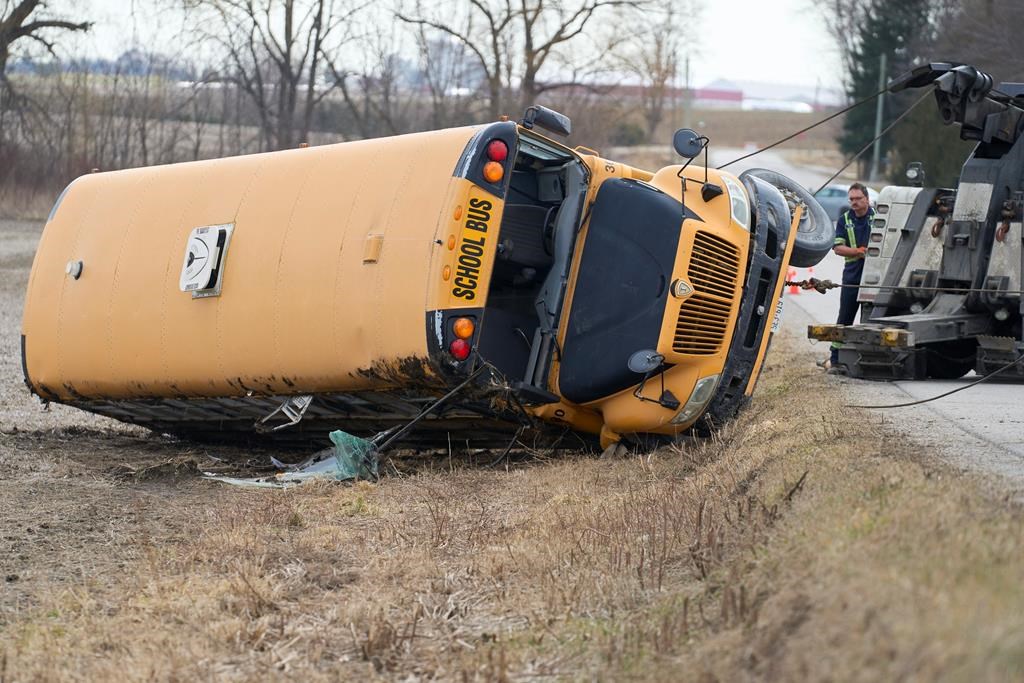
(852, 231)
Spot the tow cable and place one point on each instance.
(953, 391)
(856, 156)
(821, 286)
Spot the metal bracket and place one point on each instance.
(293, 407)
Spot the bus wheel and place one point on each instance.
(816, 233)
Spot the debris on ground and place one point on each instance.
(350, 458)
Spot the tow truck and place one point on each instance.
(941, 286)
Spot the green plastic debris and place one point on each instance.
(351, 458)
(356, 458)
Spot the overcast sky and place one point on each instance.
(771, 41)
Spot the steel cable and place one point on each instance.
(943, 395)
(866, 147)
(804, 130)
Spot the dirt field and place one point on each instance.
(807, 542)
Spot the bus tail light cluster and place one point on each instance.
(461, 347)
(494, 169)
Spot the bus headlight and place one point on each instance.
(702, 393)
(738, 202)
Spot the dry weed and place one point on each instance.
(780, 548)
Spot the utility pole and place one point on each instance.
(687, 99)
(675, 87)
(879, 108)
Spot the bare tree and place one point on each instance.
(485, 30)
(448, 74)
(377, 93)
(276, 53)
(548, 26)
(28, 19)
(651, 54)
(513, 40)
(843, 19)
(984, 33)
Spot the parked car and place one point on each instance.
(833, 198)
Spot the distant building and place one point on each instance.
(725, 94)
(789, 97)
(720, 94)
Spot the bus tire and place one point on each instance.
(815, 235)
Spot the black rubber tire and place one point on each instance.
(950, 359)
(816, 233)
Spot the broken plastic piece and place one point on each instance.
(356, 458)
(351, 458)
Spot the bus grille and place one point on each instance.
(704, 316)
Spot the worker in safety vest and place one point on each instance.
(852, 231)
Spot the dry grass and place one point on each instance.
(790, 547)
(24, 203)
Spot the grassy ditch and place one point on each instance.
(791, 547)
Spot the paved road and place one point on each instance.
(980, 428)
(809, 176)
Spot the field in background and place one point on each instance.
(737, 128)
(807, 541)
(744, 130)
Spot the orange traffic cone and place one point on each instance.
(791, 276)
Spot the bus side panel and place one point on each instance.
(138, 303)
(204, 342)
(303, 307)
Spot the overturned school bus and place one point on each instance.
(536, 289)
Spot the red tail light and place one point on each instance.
(497, 150)
(460, 349)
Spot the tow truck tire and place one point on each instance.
(950, 359)
(816, 234)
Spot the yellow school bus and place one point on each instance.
(280, 296)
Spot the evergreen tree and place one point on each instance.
(922, 136)
(894, 28)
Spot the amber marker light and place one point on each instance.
(451, 242)
(446, 273)
(463, 328)
(493, 172)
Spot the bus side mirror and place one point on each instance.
(645, 362)
(548, 119)
(687, 143)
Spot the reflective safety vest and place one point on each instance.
(851, 236)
